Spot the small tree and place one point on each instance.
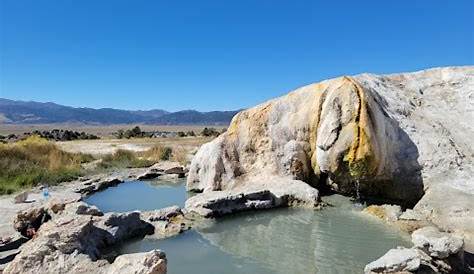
(136, 132)
(209, 132)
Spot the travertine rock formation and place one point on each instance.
(390, 137)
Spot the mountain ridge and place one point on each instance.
(32, 112)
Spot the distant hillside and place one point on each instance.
(21, 112)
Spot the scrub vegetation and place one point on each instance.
(35, 161)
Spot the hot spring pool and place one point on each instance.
(338, 239)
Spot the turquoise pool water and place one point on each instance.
(337, 239)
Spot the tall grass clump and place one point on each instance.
(123, 159)
(158, 153)
(180, 155)
(34, 161)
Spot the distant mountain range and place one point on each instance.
(22, 112)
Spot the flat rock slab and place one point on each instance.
(263, 194)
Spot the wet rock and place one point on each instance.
(435, 243)
(153, 262)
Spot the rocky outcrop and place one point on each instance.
(433, 252)
(390, 137)
(73, 243)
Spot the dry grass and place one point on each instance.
(180, 155)
(36, 161)
(157, 153)
(123, 159)
(107, 146)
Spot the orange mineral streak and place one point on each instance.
(361, 157)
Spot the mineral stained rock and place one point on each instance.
(398, 138)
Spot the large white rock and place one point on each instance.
(437, 244)
(393, 137)
(396, 260)
(153, 262)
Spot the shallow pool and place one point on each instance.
(140, 195)
(337, 239)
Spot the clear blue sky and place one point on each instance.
(216, 55)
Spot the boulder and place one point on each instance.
(153, 262)
(435, 243)
(397, 260)
(123, 226)
(59, 247)
(30, 219)
(336, 132)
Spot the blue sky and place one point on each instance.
(216, 55)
